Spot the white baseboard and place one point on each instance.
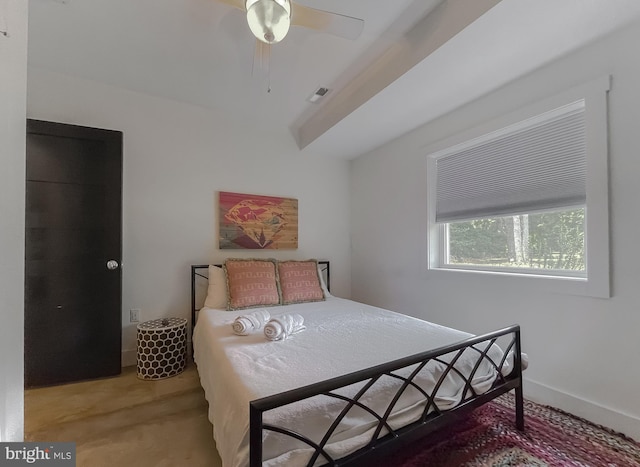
(618, 421)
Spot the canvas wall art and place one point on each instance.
(257, 222)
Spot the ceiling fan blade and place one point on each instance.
(320, 20)
(239, 4)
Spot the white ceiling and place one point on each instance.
(201, 52)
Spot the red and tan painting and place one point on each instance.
(257, 222)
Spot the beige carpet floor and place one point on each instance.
(125, 421)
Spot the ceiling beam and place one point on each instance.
(424, 38)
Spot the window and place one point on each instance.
(514, 200)
(546, 242)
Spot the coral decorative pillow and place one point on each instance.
(299, 282)
(251, 283)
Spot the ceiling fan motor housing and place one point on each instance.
(269, 20)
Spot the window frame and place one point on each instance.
(596, 280)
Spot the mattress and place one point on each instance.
(341, 336)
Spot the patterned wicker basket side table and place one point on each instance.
(162, 348)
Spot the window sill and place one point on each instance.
(527, 282)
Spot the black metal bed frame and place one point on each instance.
(195, 273)
(432, 417)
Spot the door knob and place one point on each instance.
(112, 264)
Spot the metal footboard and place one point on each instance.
(432, 418)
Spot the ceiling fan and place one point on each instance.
(269, 20)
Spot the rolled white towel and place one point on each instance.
(250, 322)
(281, 327)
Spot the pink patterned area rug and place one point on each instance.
(489, 438)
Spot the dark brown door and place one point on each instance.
(73, 229)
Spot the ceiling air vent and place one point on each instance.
(319, 94)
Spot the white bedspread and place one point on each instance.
(342, 336)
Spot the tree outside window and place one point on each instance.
(547, 240)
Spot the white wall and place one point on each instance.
(176, 158)
(13, 71)
(583, 351)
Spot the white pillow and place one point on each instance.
(217, 291)
(322, 284)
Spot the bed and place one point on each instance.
(357, 383)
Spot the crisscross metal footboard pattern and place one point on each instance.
(432, 417)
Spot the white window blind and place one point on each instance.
(534, 165)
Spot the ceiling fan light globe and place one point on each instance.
(269, 20)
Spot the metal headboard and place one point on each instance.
(201, 271)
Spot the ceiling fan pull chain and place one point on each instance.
(268, 68)
(261, 65)
(253, 63)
